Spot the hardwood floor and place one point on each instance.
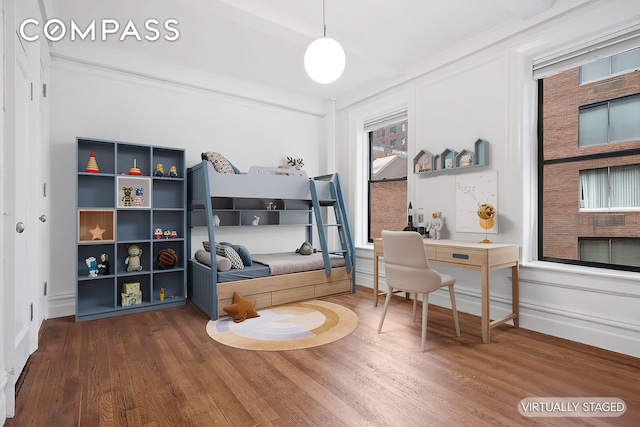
(160, 368)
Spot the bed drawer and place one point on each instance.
(464, 256)
(290, 295)
(332, 288)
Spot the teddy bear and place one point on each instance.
(127, 198)
(133, 260)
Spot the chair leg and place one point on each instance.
(454, 309)
(425, 307)
(386, 305)
(415, 304)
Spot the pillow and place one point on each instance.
(242, 308)
(206, 246)
(219, 162)
(229, 252)
(224, 264)
(244, 253)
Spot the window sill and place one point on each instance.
(581, 270)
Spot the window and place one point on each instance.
(387, 174)
(610, 66)
(610, 188)
(613, 121)
(589, 159)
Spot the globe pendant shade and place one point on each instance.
(324, 60)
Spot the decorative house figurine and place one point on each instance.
(256, 220)
(139, 196)
(92, 165)
(127, 198)
(173, 172)
(104, 266)
(157, 233)
(93, 267)
(134, 170)
(159, 170)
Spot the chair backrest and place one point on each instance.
(406, 264)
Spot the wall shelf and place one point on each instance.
(427, 163)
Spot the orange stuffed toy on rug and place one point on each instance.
(242, 308)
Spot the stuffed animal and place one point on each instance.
(256, 220)
(159, 170)
(216, 220)
(133, 260)
(306, 249)
(127, 198)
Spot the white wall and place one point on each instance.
(109, 96)
(489, 94)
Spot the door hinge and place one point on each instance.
(45, 289)
(32, 91)
(31, 311)
(44, 90)
(44, 189)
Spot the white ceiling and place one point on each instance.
(263, 41)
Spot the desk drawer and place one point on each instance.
(467, 256)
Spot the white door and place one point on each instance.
(24, 193)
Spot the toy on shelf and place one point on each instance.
(174, 234)
(139, 196)
(93, 267)
(435, 226)
(104, 265)
(161, 294)
(256, 220)
(167, 234)
(127, 198)
(131, 295)
(134, 170)
(133, 260)
(96, 233)
(296, 163)
(92, 165)
(173, 172)
(216, 220)
(158, 233)
(167, 258)
(159, 170)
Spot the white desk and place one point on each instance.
(483, 257)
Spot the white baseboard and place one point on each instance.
(5, 388)
(61, 305)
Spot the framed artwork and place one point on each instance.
(474, 192)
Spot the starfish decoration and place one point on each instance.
(242, 308)
(96, 233)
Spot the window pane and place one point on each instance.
(594, 189)
(625, 186)
(595, 70)
(625, 252)
(593, 126)
(625, 61)
(592, 250)
(624, 116)
(388, 159)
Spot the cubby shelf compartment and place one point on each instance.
(99, 201)
(243, 211)
(450, 160)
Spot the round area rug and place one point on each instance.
(288, 327)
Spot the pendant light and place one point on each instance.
(324, 59)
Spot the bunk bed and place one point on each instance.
(279, 197)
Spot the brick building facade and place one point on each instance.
(563, 224)
(388, 199)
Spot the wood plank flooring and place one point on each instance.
(160, 368)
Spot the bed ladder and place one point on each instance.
(342, 221)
